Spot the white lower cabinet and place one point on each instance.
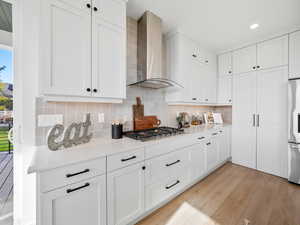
(125, 194)
(124, 187)
(224, 145)
(212, 151)
(77, 204)
(164, 189)
(197, 160)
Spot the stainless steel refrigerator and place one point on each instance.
(294, 131)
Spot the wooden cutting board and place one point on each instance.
(146, 122)
(138, 109)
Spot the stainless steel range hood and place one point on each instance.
(149, 55)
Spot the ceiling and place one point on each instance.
(5, 16)
(222, 24)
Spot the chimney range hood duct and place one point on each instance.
(149, 55)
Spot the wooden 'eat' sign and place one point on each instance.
(75, 134)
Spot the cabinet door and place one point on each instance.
(197, 160)
(243, 124)
(225, 90)
(225, 64)
(294, 55)
(109, 59)
(76, 204)
(272, 127)
(212, 153)
(244, 60)
(125, 195)
(66, 47)
(272, 53)
(111, 11)
(224, 145)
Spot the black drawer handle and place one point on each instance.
(75, 189)
(194, 99)
(214, 134)
(221, 131)
(208, 143)
(170, 164)
(124, 160)
(172, 185)
(75, 174)
(200, 138)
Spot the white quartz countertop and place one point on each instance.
(45, 159)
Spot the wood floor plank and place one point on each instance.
(229, 196)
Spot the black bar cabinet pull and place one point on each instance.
(214, 134)
(208, 143)
(200, 138)
(170, 164)
(75, 174)
(75, 189)
(124, 160)
(172, 185)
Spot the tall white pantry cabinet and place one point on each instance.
(83, 49)
(259, 112)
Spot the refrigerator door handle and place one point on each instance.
(257, 120)
(253, 120)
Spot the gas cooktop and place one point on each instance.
(154, 133)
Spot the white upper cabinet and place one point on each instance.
(109, 59)
(294, 55)
(65, 48)
(192, 67)
(80, 203)
(83, 49)
(244, 60)
(272, 53)
(225, 90)
(225, 64)
(111, 11)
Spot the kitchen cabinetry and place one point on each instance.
(212, 153)
(198, 160)
(272, 126)
(225, 64)
(259, 132)
(192, 67)
(125, 195)
(121, 188)
(244, 60)
(264, 55)
(78, 59)
(80, 203)
(224, 144)
(294, 55)
(243, 116)
(272, 53)
(225, 90)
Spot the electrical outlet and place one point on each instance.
(101, 117)
(49, 120)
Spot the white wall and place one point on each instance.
(5, 38)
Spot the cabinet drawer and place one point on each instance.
(159, 192)
(124, 159)
(63, 176)
(166, 165)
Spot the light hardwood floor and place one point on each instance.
(233, 195)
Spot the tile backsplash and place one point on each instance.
(153, 100)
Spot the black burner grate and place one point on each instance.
(149, 134)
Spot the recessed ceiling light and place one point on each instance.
(254, 26)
